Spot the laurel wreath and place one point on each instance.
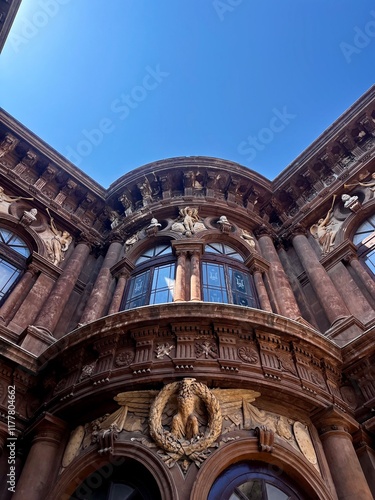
(164, 439)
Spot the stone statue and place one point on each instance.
(369, 184)
(324, 232)
(153, 227)
(10, 199)
(188, 222)
(28, 217)
(224, 224)
(351, 202)
(248, 238)
(59, 244)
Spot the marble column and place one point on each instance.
(17, 296)
(99, 295)
(195, 277)
(41, 465)
(261, 291)
(285, 300)
(363, 275)
(258, 267)
(53, 307)
(346, 471)
(180, 284)
(119, 293)
(322, 284)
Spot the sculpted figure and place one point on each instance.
(370, 184)
(324, 232)
(10, 199)
(351, 202)
(185, 423)
(28, 217)
(224, 224)
(248, 238)
(59, 244)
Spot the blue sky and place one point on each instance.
(117, 84)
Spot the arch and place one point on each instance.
(354, 220)
(82, 468)
(282, 460)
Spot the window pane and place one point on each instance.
(242, 291)
(274, 493)
(8, 275)
(370, 260)
(162, 284)
(214, 286)
(252, 490)
(138, 290)
(14, 241)
(364, 230)
(222, 249)
(154, 252)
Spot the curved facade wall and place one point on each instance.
(193, 322)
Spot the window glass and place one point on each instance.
(221, 248)
(364, 230)
(154, 282)
(13, 241)
(138, 289)
(370, 260)
(162, 284)
(242, 292)
(151, 253)
(226, 282)
(8, 276)
(214, 285)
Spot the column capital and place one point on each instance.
(190, 247)
(256, 263)
(334, 420)
(49, 428)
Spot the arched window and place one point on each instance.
(13, 255)
(152, 281)
(364, 238)
(124, 480)
(253, 481)
(225, 278)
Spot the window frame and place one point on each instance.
(229, 263)
(151, 265)
(14, 259)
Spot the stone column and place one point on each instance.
(180, 284)
(53, 307)
(362, 274)
(351, 294)
(41, 465)
(346, 471)
(99, 295)
(285, 300)
(195, 277)
(17, 296)
(325, 290)
(257, 267)
(119, 293)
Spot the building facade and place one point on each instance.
(196, 331)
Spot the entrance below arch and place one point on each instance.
(253, 481)
(129, 481)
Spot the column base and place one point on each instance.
(36, 339)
